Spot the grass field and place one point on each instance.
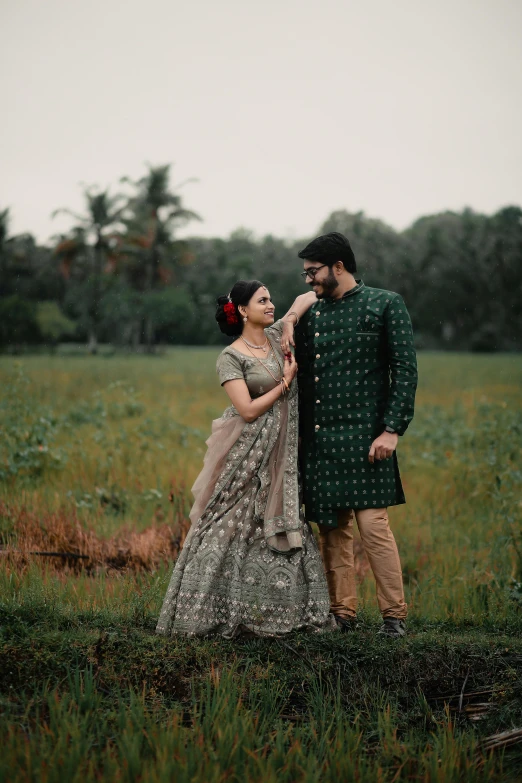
(96, 459)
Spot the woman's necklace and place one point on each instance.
(263, 365)
(257, 347)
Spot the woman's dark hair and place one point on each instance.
(229, 319)
(328, 249)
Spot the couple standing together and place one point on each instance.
(250, 563)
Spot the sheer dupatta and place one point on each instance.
(228, 448)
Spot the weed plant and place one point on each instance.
(96, 454)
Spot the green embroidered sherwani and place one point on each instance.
(357, 374)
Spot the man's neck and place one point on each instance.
(346, 284)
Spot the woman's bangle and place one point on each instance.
(293, 312)
(286, 383)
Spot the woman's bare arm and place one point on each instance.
(300, 306)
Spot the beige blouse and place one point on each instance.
(232, 364)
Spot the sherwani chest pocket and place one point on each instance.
(369, 337)
(370, 342)
(370, 322)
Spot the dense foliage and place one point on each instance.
(96, 459)
(121, 276)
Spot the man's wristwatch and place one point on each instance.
(390, 430)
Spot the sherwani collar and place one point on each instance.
(355, 290)
(360, 285)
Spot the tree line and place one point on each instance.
(121, 274)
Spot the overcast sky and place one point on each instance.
(284, 110)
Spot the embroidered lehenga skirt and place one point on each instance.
(250, 563)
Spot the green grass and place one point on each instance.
(88, 692)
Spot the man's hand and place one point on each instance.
(383, 446)
(287, 338)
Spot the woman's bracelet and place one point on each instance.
(293, 312)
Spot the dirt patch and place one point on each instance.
(59, 541)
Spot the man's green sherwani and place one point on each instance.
(357, 374)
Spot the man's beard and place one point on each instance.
(328, 284)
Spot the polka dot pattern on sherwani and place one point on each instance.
(357, 375)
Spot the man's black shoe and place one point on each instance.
(393, 628)
(346, 624)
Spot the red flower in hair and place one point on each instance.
(230, 312)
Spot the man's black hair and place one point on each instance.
(330, 248)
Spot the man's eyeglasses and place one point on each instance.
(311, 273)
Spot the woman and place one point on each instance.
(250, 564)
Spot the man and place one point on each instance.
(357, 380)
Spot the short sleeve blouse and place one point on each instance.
(275, 331)
(260, 375)
(228, 367)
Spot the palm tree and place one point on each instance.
(69, 247)
(156, 212)
(16, 256)
(4, 249)
(94, 232)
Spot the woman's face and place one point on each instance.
(260, 309)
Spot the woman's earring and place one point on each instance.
(245, 319)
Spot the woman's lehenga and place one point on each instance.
(250, 563)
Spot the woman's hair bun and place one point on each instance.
(228, 317)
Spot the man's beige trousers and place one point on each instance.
(381, 550)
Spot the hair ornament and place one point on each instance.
(230, 311)
(228, 316)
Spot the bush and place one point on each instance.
(487, 339)
(18, 322)
(53, 324)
